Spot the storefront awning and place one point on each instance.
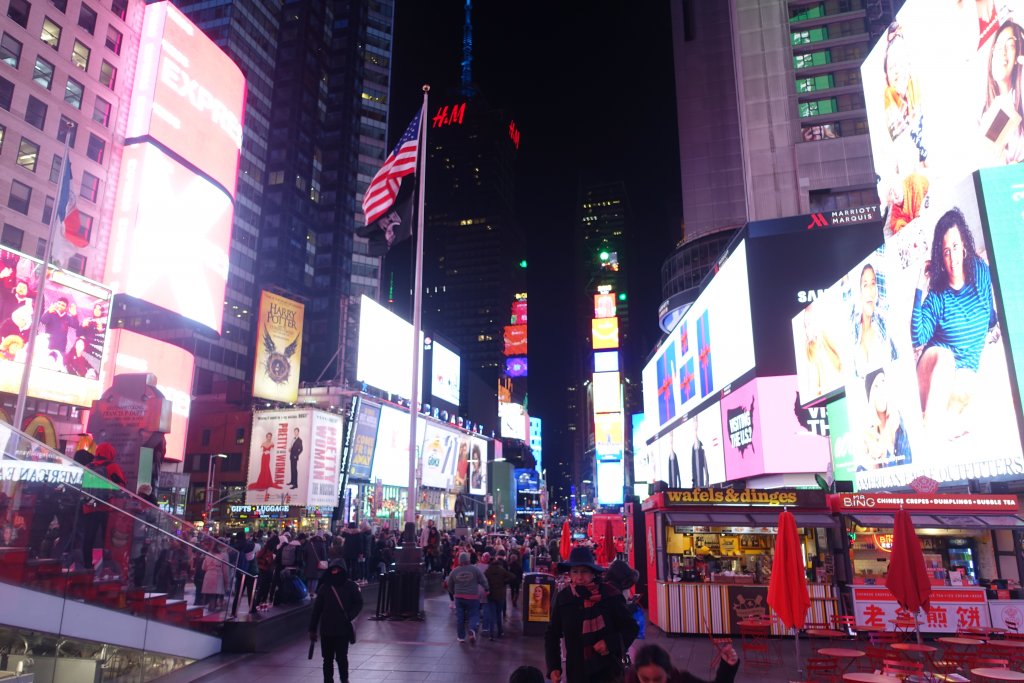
(944, 521)
(747, 518)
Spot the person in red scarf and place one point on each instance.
(597, 630)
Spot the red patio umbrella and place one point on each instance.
(565, 544)
(907, 578)
(787, 588)
(608, 543)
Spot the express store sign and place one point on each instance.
(882, 502)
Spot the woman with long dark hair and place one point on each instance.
(652, 664)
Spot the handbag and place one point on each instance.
(320, 564)
(352, 627)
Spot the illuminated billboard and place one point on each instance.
(128, 352)
(170, 237)
(294, 458)
(608, 436)
(604, 305)
(188, 95)
(607, 392)
(943, 98)
(446, 374)
(278, 348)
(385, 350)
(70, 340)
(391, 451)
(514, 421)
(519, 313)
(363, 441)
(606, 361)
(516, 367)
(515, 340)
(765, 431)
(440, 455)
(709, 348)
(923, 361)
(610, 483)
(693, 454)
(604, 333)
(477, 466)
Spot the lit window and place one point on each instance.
(28, 155)
(43, 73)
(80, 55)
(813, 35)
(90, 186)
(10, 51)
(101, 111)
(812, 59)
(114, 38)
(73, 93)
(818, 107)
(276, 177)
(108, 74)
(51, 33)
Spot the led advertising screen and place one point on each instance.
(477, 466)
(278, 348)
(128, 352)
(514, 421)
(515, 340)
(446, 374)
(842, 442)
(385, 350)
(604, 333)
(608, 436)
(604, 305)
(527, 481)
(391, 452)
(943, 98)
(606, 361)
(170, 237)
(611, 479)
(710, 347)
(691, 454)
(188, 95)
(519, 313)
(516, 367)
(923, 360)
(767, 432)
(70, 340)
(440, 455)
(607, 392)
(1004, 223)
(537, 441)
(364, 441)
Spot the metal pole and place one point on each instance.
(417, 310)
(38, 301)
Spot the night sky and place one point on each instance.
(591, 88)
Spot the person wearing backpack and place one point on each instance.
(95, 512)
(291, 553)
(315, 559)
(334, 611)
(266, 564)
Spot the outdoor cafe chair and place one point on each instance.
(902, 668)
(825, 669)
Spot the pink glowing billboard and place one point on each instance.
(129, 352)
(170, 237)
(188, 95)
(765, 431)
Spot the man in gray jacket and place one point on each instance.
(464, 584)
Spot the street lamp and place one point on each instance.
(209, 482)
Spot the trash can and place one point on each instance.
(538, 600)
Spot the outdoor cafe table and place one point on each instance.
(840, 653)
(998, 674)
(957, 640)
(1018, 644)
(860, 677)
(826, 633)
(925, 650)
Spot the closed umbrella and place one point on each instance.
(908, 579)
(608, 543)
(787, 588)
(565, 544)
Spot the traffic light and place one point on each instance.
(622, 296)
(522, 264)
(604, 256)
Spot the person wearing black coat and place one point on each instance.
(597, 629)
(337, 604)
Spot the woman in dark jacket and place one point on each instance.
(653, 665)
(334, 610)
(597, 630)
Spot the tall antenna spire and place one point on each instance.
(467, 52)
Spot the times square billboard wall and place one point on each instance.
(943, 95)
(278, 348)
(914, 339)
(174, 204)
(294, 458)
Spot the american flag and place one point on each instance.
(382, 190)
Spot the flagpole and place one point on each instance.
(417, 311)
(38, 300)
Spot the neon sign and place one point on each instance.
(449, 116)
(883, 542)
(513, 133)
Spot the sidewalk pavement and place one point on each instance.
(427, 651)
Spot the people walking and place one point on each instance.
(334, 611)
(498, 579)
(464, 585)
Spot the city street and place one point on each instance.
(427, 651)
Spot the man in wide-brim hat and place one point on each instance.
(597, 631)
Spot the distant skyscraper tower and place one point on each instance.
(786, 134)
